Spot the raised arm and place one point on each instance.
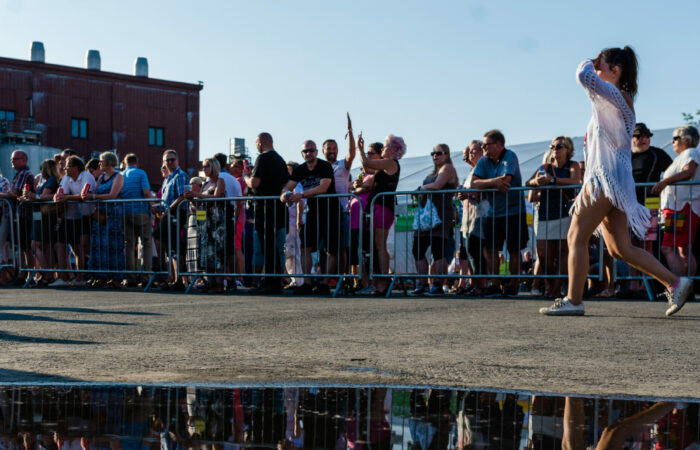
(596, 87)
(351, 145)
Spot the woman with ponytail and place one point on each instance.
(607, 201)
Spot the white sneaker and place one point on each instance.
(678, 296)
(563, 307)
(77, 283)
(535, 292)
(58, 283)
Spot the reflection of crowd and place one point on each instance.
(171, 418)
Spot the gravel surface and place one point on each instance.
(618, 348)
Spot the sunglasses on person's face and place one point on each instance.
(434, 154)
(308, 150)
(640, 136)
(556, 147)
(676, 138)
(170, 160)
(206, 167)
(372, 153)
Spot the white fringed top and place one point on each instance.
(608, 153)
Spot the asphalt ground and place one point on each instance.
(617, 348)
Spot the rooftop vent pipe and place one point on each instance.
(93, 60)
(37, 52)
(141, 67)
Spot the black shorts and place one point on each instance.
(321, 231)
(475, 249)
(25, 231)
(45, 228)
(509, 229)
(70, 231)
(439, 246)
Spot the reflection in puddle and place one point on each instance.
(174, 418)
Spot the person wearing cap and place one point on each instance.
(648, 163)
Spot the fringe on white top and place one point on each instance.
(608, 154)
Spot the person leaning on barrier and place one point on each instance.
(7, 273)
(474, 208)
(506, 220)
(93, 166)
(681, 204)
(107, 237)
(74, 229)
(63, 157)
(167, 233)
(137, 219)
(45, 220)
(386, 179)
(268, 177)
(440, 238)
(321, 226)
(292, 245)
(211, 232)
(232, 210)
(23, 180)
(553, 207)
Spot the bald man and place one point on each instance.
(23, 178)
(268, 177)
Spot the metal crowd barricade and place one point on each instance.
(89, 238)
(652, 240)
(210, 245)
(8, 243)
(469, 232)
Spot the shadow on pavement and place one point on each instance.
(76, 310)
(14, 376)
(31, 317)
(9, 337)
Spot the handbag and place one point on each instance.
(427, 217)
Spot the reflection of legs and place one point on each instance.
(614, 436)
(617, 238)
(574, 424)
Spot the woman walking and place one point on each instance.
(607, 200)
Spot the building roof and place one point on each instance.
(21, 64)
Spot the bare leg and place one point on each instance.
(574, 424)
(583, 224)
(380, 237)
(617, 238)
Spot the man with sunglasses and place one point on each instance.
(321, 226)
(174, 185)
(506, 220)
(648, 163)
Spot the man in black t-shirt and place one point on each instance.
(647, 165)
(647, 162)
(320, 228)
(268, 177)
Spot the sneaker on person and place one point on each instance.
(366, 290)
(435, 290)
(563, 307)
(59, 283)
(678, 295)
(535, 292)
(418, 291)
(510, 291)
(492, 291)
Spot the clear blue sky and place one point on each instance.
(430, 71)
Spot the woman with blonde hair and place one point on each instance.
(107, 237)
(211, 233)
(439, 239)
(607, 201)
(553, 219)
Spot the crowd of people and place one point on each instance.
(283, 225)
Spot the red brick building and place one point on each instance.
(93, 111)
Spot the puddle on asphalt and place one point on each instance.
(130, 417)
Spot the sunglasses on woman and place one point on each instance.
(436, 153)
(556, 147)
